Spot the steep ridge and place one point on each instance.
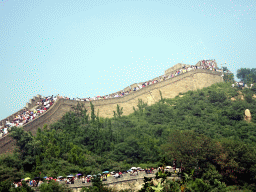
(192, 80)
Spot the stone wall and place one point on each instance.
(193, 80)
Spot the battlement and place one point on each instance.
(33, 102)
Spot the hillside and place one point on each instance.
(201, 128)
(191, 80)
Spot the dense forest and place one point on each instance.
(204, 129)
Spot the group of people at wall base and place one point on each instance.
(36, 182)
(241, 84)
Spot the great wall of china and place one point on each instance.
(192, 80)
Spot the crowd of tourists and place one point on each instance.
(28, 115)
(70, 179)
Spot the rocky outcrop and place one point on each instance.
(248, 116)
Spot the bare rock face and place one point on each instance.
(248, 115)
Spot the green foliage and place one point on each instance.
(10, 167)
(93, 116)
(5, 185)
(247, 75)
(54, 186)
(229, 77)
(158, 188)
(254, 89)
(251, 78)
(119, 112)
(236, 164)
(147, 186)
(248, 97)
(188, 184)
(158, 114)
(242, 73)
(161, 96)
(199, 185)
(141, 106)
(161, 175)
(190, 148)
(81, 112)
(211, 174)
(215, 97)
(172, 186)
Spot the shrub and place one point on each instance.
(215, 97)
(54, 186)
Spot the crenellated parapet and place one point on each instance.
(33, 102)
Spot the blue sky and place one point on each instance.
(85, 48)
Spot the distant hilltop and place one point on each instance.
(175, 80)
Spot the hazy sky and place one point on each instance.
(85, 48)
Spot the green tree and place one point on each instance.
(28, 147)
(119, 111)
(5, 185)
(236, 163)
(161, 96)
(247, 75)
(217, 97)
(81, 111)
(190, 148)
(141, 106)
(251, 78)
(211, 174)
(229, 77)
(242, 73)
(93, 116)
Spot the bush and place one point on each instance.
(54, 186)
(248, 97)
(233, 92)
(254, 89)
(215, 97)
(5, 185)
